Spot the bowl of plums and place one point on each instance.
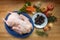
(39, 20)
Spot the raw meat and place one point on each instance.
(19, 23)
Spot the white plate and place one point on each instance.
(42, 25)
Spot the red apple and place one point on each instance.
(48, 14)
(50, 6)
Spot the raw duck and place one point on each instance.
(19, 23)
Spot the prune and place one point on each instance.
(37, 15)
(39, 20)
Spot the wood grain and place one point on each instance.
(10, 5)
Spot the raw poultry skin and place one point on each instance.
(19, 23)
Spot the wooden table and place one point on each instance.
(10, 5)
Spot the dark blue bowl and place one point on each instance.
(12, 32)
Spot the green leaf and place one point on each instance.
(41, 33)
(52, 19)
(23, 9)
(37, 9)
(28, 4)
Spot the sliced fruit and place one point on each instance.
(43, 9)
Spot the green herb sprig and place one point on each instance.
(52, 19)
(41, 33)
(23, 9)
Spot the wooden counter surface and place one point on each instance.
(10, 5)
